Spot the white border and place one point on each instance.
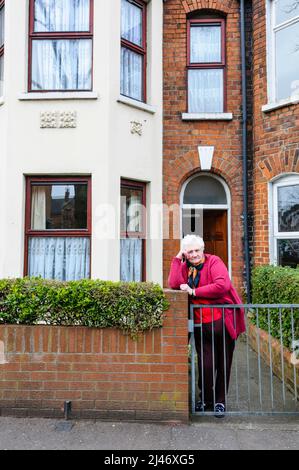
(210, 206)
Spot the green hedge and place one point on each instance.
(277, 285)
(132, 307)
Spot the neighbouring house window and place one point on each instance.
(206, 65)
(133, 49)
(58, 228)
(60, 55)
(284, 49)
(286, 221)
(132, 226)
(2, 13)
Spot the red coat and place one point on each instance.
(215, 287)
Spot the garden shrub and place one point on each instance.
(277, 285)
(132, 307)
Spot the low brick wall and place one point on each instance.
(288, 359)
(104, 373)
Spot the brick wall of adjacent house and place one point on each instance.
(181, 138)
(276, 137)
(104, 373)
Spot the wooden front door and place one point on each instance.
(215, 233)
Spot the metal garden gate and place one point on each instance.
(264, 375)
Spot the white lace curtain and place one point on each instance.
(205, 44)
(205, 91)
(61, 15)
(131, 259)
(60, 258)
(131, 22)
(61, 64)
(205, 86)
(131, 74)
(131, 62)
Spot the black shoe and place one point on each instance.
(200, 406)
(219, 410)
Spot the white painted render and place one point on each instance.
(101, 145)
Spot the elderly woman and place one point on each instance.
(206, 279)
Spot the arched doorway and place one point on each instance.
(205, 211)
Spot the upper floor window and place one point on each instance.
(58, 228)
(133, 49)
(2, 12)
(206, 65)
(60, 55)
(284, 49)
(286, 221)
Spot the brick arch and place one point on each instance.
(193, 5)
(188, 165)
(274, 165)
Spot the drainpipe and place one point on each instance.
(244, 151)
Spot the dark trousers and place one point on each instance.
(213, 369)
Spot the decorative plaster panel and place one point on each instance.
(58, 119)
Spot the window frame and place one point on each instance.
(141, 50)
(287, 180)
(2, 5)
(207, 65)
(271, 51)
(137, 185)
(58, 35)
(30, 233)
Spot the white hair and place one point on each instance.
(193, 240)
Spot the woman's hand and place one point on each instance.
(181, 254)
(186, 288)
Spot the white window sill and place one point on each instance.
(59, 95)
(1, 100)
(137, 104)
(207, 116)
(280, 104)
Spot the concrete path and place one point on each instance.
(204, 433)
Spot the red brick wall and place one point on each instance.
(181, 138)
(103, 372)
(276, 137)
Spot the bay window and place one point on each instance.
(133, 49)
(283, 49)
(132, 223)
(60, 45)
(206, 65)
(58, 228)
(286, 221)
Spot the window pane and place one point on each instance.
(2, 26)
(61, 64)
(59, 206)
(288, 252)
(285, 10)
(62, 15)
(205, 91)
(205, 44)
(131, 210)
(131, 74)
(131, 260)
(60, 258)
(288, 208)
(287, 59)
(131, 22)
(204, 190)
(1, 74)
